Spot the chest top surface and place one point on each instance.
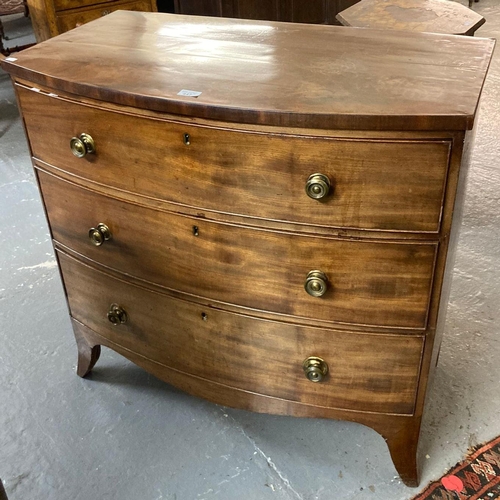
(267, 73)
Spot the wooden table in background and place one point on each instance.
(432, 16)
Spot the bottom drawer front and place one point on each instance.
(367, 372)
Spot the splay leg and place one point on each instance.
(88, 354)
(402, 440)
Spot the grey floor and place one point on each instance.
(121, 434)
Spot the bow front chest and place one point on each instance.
(260, 214)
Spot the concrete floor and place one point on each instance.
(123, 435)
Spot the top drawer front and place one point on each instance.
(380, 185)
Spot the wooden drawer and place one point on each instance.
(376, 373)
(71, 19)
(376, 184)
(76, 4)
(372, 282)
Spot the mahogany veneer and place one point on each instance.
(185, 236)
(53, 17)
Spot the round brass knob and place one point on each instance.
(316, 283)
(318, 186)
(315, 368)
(82, 145)
(98, 235)
(117, 315)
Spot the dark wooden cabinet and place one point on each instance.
(269, 10)
(297, 11)
(199, 7)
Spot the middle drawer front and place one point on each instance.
(375, 283)
(367, 372)
(375, 184)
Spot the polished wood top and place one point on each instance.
(433, 16)
(265, 72)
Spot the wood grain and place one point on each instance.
(53, 17)
(76, 4)
(371, 283)
(367, 372)
(376, 184)
(268, 73)
(400, 431)
(215, 295)
(73, 19)
(434, 16)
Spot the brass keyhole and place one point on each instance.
(196, 231)
(187, 139)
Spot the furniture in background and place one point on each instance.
(53, 17)
(297, 11)
(432, 16)
(231, 213)
(8, 7)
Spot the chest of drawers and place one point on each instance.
(53, 17)
(283, 241)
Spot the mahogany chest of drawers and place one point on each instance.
(261, 214)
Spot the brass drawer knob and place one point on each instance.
(318, 186)
(82, 145)
(315, 368)
(117, 315)
(316, 283)
(98, 235)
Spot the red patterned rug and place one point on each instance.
(475, 478)
(11, 7)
